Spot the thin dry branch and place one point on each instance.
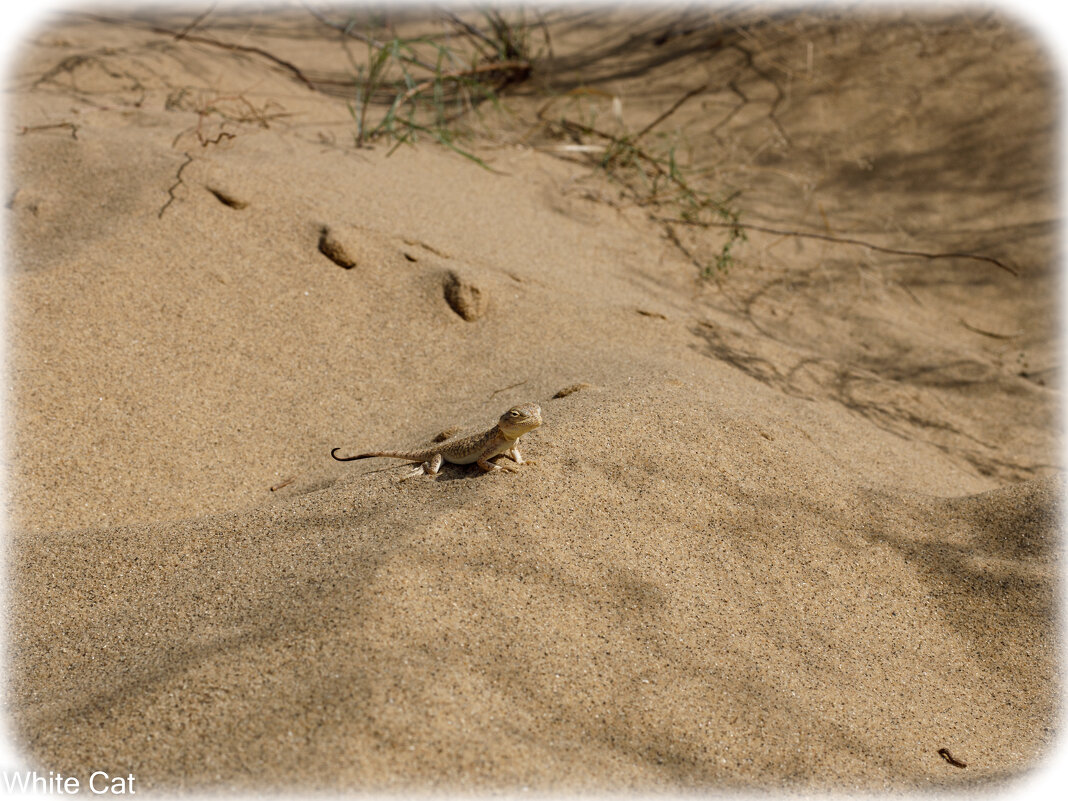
(669, 112)
(780, 95)
(25, 129)
(578, 127)
(473, 33)
(985, 333)
(496, 392)
(177, 182)
(285, 482)
(347, 30)
(731, 114)
(196, 21)
(183, 35)
(842, 240)
(521, 68)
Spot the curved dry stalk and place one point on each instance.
(184, 35)
(843, 240)
(674, 107)
(368, 40)
(521, 67)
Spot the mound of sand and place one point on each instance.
(795, 527)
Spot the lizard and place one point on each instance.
(478, 448)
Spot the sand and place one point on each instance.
(797, 530)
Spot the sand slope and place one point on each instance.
(798, 530)
(696, 617)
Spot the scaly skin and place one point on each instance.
(478, 448)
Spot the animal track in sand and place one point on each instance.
(572, 389)
(332, 248)
(465, 296)
(426, 247)
(227, 199)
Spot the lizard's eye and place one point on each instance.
(513, 413)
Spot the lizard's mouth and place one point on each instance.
(519, 420)
(517, 428)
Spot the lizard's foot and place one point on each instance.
(416, 472)
(431, 468)
(495, 467)
(516, 457)
(425, 469)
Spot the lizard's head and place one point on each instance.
(520, 419)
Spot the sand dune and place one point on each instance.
(797, 529)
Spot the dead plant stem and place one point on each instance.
(842, 240)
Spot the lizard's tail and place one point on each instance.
(411, 457)
(333, 453)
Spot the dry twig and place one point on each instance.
(843, 240)
(497, 392)
(368, 40)
(25, 129)
(521, 68)
(285, 482)
(669, 112)
(196, 21)
(177, 182)
(293, 69)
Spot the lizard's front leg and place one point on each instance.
(492, 467)
(514, 455)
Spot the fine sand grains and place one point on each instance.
(794, 528)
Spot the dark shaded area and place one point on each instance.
(992, 562)
(878, 390)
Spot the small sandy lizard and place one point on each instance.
(477, 448)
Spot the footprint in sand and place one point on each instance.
(227, 199)
(331, 247)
